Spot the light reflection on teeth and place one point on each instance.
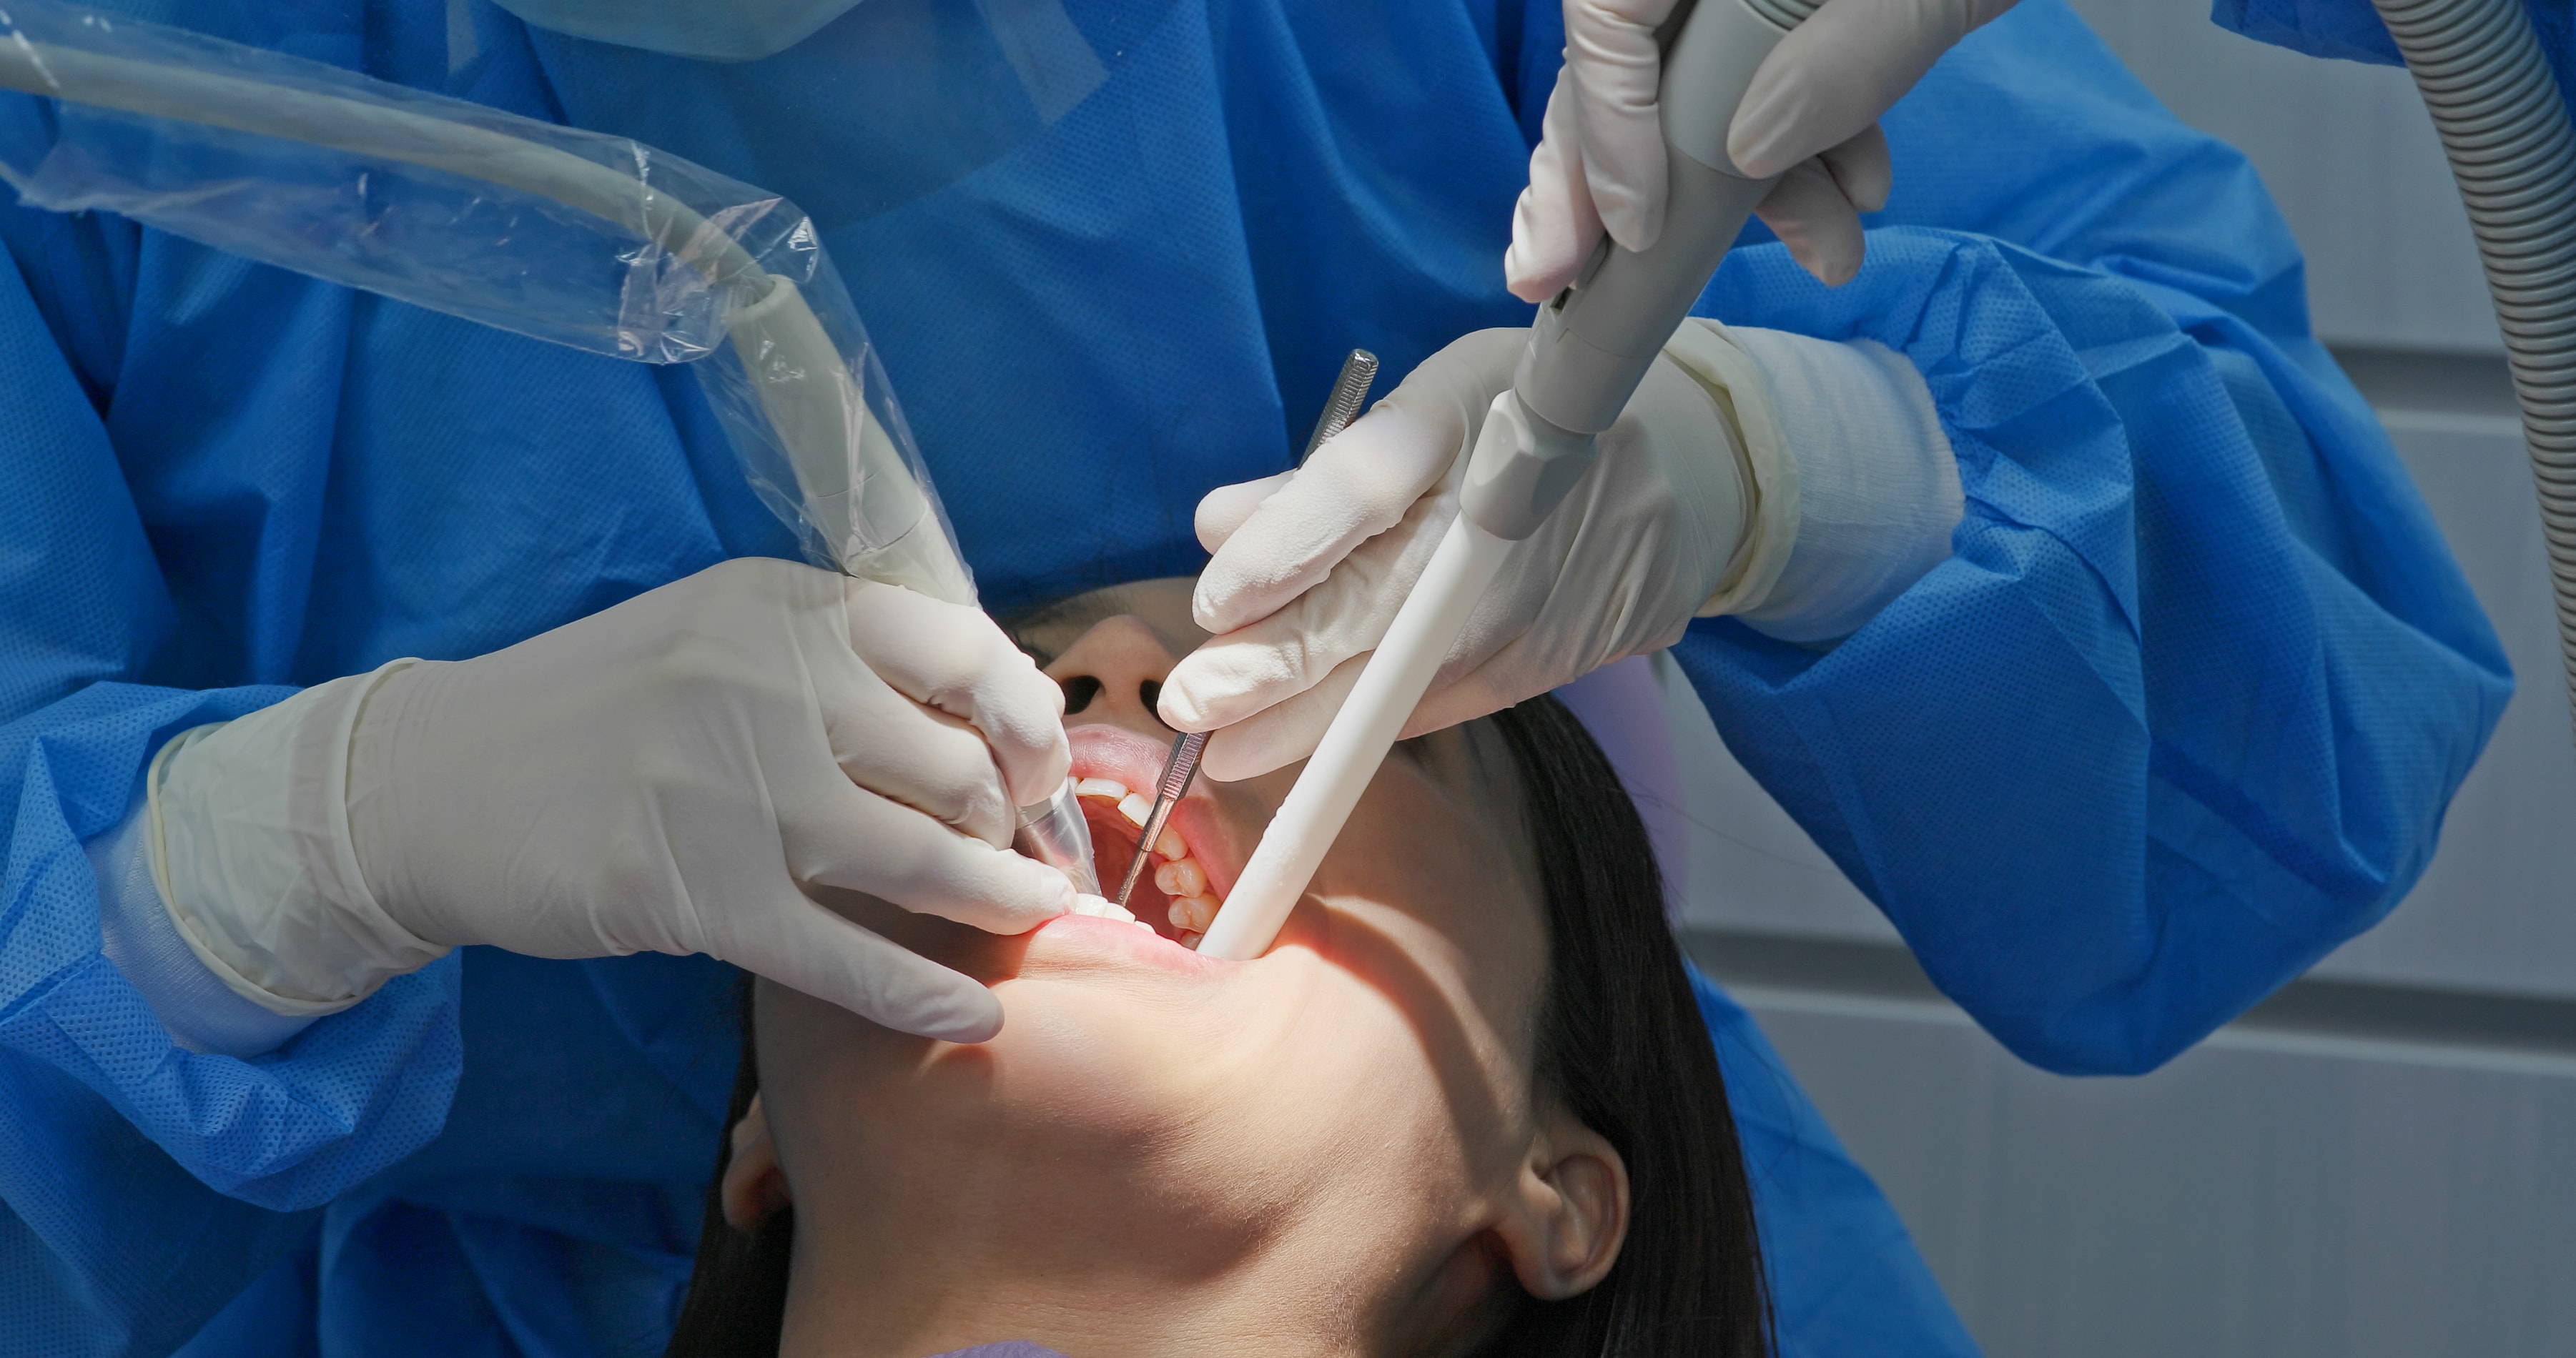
(1178, 876)
(1102, 906)
(1183, 877)
(1193, 914)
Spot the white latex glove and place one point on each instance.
(1797, 483)
(1810, 115)
(675, 774)
(1309, 567)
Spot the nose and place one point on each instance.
(1115, 671)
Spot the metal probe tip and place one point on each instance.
(1342, 407)
(1178, 772)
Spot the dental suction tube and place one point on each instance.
(873, 512)
(858, 490)
(1590, 347)
(2505, 127)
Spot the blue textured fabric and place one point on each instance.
(2352, 30)
(2184, 712)
(1845, 1275)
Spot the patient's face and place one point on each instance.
(1361, 1092)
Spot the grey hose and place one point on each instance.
(2513, 152)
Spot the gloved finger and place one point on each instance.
(1256, 666)
(1615, 65)
(1223, 510)
(1862, 169)
(1839, 71)
(1360, 483)
(1355, 487)
(1554, 225)
(805, 947)
(1284, 732)
(862, 842)
(1288, 731)
(955, 659)
(1810, 215)
(917, 755)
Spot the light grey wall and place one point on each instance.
(2268, 1195)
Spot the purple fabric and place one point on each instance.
(1623, 707)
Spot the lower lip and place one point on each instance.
(1120, 941)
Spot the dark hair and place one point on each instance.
(1620, 1041)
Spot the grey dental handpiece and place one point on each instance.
(1587, 352)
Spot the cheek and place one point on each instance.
(1349, 1081)
(1091, 1051)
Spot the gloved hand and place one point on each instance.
(1310, 567)
(1810, 115)
(1796, 483)
(675, 774)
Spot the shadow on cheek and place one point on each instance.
(1380, 962)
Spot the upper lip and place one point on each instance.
(1103, 750)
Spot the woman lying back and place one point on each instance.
(1466, 1104)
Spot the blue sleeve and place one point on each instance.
(2184, 708)
(141, 1183)
(1846, 1280)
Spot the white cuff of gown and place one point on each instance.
(1851, 464)
(199, 1011)
(248, 836)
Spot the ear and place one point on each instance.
(1568, 1214)
(754, 1188)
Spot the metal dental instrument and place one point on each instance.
(1178, 773)
(1342, 407)
(1588, 349)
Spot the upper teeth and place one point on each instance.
(1179, 876)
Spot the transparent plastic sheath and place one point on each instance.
(587, 240)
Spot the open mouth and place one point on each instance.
(1176, 895)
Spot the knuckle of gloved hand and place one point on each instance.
(955, 876)
(637, 882)
(987, 813)
(745, 574)
(692, 669)
(1020, 714)
(942, 654)
(918, 865)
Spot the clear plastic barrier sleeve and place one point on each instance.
(593, 241)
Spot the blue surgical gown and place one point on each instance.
(2181, 713)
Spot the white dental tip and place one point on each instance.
(1101, 907)
(1109, 788)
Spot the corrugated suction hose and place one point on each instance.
(2480, 68)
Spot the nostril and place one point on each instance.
(1151, 693)
(1078, 693)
